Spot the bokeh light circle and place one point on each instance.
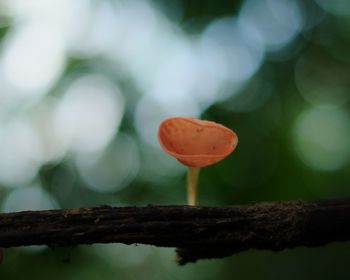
(29, 198)
(112, 170)
(321, 138)
(89, 114)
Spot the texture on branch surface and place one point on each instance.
(197, 232)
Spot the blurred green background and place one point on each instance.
(85, 84)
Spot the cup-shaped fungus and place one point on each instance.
(195, 143)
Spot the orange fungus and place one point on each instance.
(196, 143)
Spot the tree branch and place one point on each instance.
(199, 232)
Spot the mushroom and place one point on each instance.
(195, 143)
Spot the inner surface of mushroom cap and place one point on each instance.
(195, 142)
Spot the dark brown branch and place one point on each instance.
(200, 232)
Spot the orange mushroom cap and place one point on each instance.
(195, 142)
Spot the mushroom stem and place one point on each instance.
(192, 181)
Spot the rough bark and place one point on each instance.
(198, 232)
